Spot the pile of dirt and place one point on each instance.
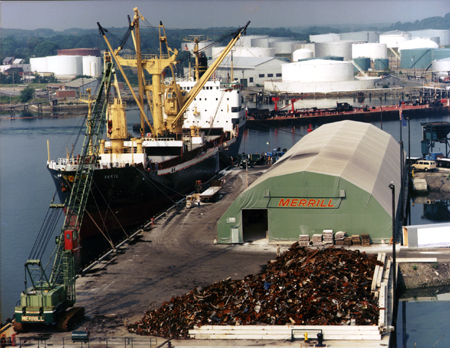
(302, 287)
(423, 275)
(436, 182)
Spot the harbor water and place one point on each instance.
(26, 190)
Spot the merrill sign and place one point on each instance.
(321, 203)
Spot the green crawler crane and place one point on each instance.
(51, 299)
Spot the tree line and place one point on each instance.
(46, 42)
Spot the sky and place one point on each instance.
(60, 15)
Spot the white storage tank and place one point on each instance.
(65, 65)
(338, 48)
(417, 44)
(92, 66)
(260, 41)
(318, 70)
(284, 48)
(370, 50)
(393, 39)
(440, 65)
(247, 40)
(39, 64)
(302, 53)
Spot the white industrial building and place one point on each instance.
(442, 34)
(364, 36)
(250, 71)
(325, 37)
(67, 66)
(319, 75)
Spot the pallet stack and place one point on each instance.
(365, 239)
(328, 237)
(356, 240)
(317, 239)
(339, 237)
(303, 240)
(348, 241)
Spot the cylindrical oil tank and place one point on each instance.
(370, 50)
(337, 48)
(440, 53)
(39, 64)
(283, 48)
(302, 53)
(317, 71)
(417, 44)
(394, 38)
(363, 63)
(247, 40)
(416, 58)
(260, 41)
(381, 63)
(92, 66)
(65, 65)
(441, 65)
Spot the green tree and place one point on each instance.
(45, 49)
(26, 94)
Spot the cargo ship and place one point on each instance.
(197, 126)
(345, 111)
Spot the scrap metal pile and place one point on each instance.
(302, 287)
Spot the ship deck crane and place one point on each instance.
(51, 298)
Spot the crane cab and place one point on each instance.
(70, 240)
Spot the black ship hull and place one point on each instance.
(124, 199)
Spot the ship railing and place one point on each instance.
(160, 139)
(146, 56)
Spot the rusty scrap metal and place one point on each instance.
(302, 287)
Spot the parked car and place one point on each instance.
(424, 165)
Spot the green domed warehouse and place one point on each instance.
(335, 178)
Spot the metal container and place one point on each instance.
(363, 63)
(381, 64)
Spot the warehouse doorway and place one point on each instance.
(254, 224)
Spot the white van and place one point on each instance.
(424, 165)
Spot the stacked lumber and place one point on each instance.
(328, 237)
(365, 239)
(317, 239)
(339, 237)
(356, 240)
(303, 240)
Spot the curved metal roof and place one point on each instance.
(358, 152)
